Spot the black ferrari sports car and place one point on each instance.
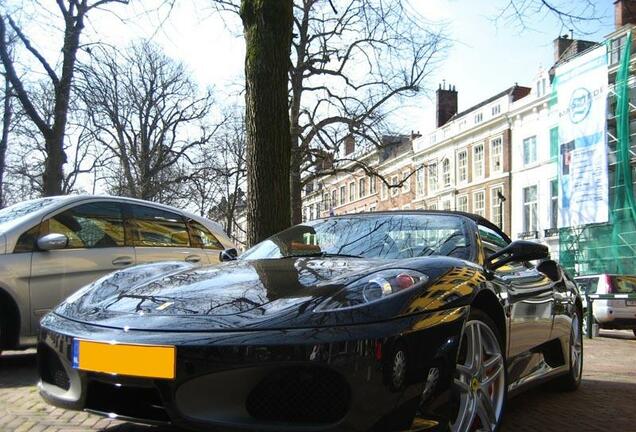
(384, 321)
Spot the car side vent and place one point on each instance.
(51, 369)
(309, 395)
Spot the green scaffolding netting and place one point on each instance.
(610, 247)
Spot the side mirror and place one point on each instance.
(52, 241)
(228, 255)
(519, 250)
(551, 270)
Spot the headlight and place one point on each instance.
(372, 288)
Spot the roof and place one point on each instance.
(510, 91)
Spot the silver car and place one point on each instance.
(50, 247)
(610, 314)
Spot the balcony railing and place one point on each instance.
(528, 235)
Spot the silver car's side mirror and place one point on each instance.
(52, 241)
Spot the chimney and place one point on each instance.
(446, 104)
(561, 44)
(624, 12)
(350, 145)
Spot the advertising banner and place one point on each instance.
(581, 86)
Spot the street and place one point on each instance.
(606, 394)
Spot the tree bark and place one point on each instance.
(268, 31)
(4, 140)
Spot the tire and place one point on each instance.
(572, 379)
(480, 385)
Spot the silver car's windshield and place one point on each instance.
(386, 236)
(24, 208)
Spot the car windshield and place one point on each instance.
(384, 236)
(24, 208)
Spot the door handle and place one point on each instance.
(122, 261)
(193, 258)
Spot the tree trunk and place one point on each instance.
(268, 30)
(53, 176)
(4, 140)
(296, 75)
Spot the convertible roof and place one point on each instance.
(476, 218)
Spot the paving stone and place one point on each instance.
(604, 401)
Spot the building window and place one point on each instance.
(406, 182)
(479, 203)
(530, 150)
(541, 87)
(478, 118)
(385, 191)
(352, 191)
(446, 174)
(462, 203)
(372, 208)
(616, 48)
(395, 181)
(554, 142)
(478, 160)
(496, 109)
(325, 202)
(554, 203)
(311, 212)
(530, 209)
(496, 206)
(334, 198)
(446, 205)
(496, 155)
(419, 181)
(462, 166)
(372, 183)
(432, 206)
(432, 177)
(343, 198)
(362, 188)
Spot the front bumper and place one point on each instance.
(338, 378)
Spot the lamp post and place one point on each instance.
(502, 198)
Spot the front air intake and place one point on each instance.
(308, 395)
(51, 369)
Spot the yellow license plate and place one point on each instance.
(148, 361)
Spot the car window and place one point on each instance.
(93, 225)
(203, 238)
(25, 208)
(625, 284)
(26, 242)
(590, 285)
(491, 240)
(158, 228)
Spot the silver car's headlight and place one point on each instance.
(372, 288)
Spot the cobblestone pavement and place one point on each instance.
(605, 400)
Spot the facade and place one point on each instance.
(464, 164)
(354, 189)
(497, 159)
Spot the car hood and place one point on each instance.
(269, 293)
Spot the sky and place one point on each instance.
(487, 54)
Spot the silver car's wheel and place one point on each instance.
(480, 379)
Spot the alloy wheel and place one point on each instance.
(480, 380)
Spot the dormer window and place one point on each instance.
(479, 118)
(496, 110)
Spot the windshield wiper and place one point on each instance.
(323, 255)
